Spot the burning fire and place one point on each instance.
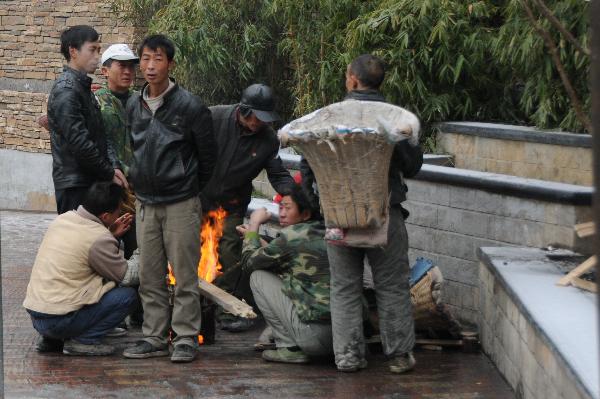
(210, 234)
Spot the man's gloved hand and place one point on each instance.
(132, 274)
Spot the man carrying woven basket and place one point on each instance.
(389, 262)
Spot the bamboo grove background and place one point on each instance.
(446, 60)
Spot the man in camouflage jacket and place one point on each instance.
(290, 280)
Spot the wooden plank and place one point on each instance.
(585, 229)
(227, 301)
(578, 271)
(584, 284)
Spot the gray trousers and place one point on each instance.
(280, 314)
(390, 275)
(170, 233)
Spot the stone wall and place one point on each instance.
(30, 60)
(519, 151)
(449, 222)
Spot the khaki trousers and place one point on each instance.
(170, 233)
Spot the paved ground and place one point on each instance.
(227, 369)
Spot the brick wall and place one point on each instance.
(30, 60)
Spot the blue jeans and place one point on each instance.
(90, 323)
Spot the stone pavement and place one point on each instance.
(228, 369)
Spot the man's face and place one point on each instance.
(87, 58)
(155, 65)
(119, 75)
(252, 123)
(289, 213)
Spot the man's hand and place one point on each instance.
(121, 225)
(242, 229)
(42, 120)
(258, 217)
(119, 178)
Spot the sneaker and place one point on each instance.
(116, 332)
(183, 353)
(236, 324)
(352, 367)
(74, 348)
(144, 350)
(403, 363)
(49, 345)
(285, 355)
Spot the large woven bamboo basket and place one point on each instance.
(349, 146)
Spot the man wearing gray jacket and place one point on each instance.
(72, 295)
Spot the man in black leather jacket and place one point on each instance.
(389, 263)
(174, 154)
(247, 145)
(81, 154)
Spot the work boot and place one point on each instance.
(265, 340)
(144, 350)
(75, 348)
(116, 332)
(285, 355)
(49, 345)
(402, 363)
(183, 353)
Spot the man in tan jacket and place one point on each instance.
(73, 295)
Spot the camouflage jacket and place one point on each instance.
(113, 115)
(299, 255)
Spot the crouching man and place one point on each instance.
(72, 295)
(290, 280)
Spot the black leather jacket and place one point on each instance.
(406, 159)
(174, 150)
(81, 154)
(242, 156)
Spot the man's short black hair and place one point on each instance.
(108, 63)
(154, 42)
(103, 197)
(301, 200)
(369, 70)
(74, 37)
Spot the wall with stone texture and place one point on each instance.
(512, 154)
(30, 60)
(448, 223)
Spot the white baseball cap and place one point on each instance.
(120, 52)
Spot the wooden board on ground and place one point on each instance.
(572, 277)
(585, 229)
(227, 301)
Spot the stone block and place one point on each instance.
(461, 221)
(422, 214)
(514, 231)
(432, 193)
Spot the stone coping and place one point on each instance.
(516, 133)
(292, 161)
(509, 185)
(564, 317)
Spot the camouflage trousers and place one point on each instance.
(390, 275)
(314, 339)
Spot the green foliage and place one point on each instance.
(446, 59)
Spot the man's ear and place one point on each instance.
(171, 65)
(104, 71)
(105, 218)
(354, 82)
(73, 52)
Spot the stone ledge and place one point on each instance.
(292, 161)
(508, 185)
(516, 133)
(557, 324)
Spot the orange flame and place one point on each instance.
(212, 231)
(170, 276)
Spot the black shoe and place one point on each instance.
(49, 345)
(144, 350)
(75, 348)
(183, 353)
(237, 324)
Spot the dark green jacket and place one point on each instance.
(299, 255)
(113, 115)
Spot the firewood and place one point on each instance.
(227, 301)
